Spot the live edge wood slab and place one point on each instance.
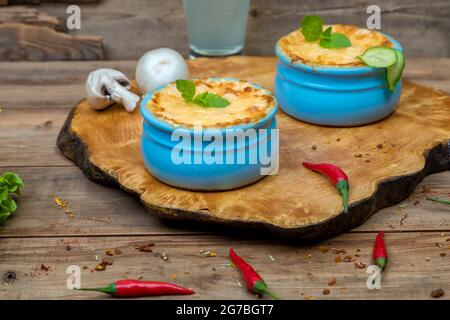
(384, 162)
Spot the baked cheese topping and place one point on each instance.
(247, 104)
(297, 49)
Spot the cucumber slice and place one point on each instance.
(394, 72)
(379, 57)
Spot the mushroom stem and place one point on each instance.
(120, 94)
(105, 86)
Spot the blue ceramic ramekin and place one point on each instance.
(157, 146)
(334, 96)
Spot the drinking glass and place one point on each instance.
(216, 27)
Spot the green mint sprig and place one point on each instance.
(205, 99)
(186, 88)
(9, 183)
(392, 60)
(333, 40)
(311, 27)
(312, 30)
(212, 100)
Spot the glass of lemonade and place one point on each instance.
(216, 27)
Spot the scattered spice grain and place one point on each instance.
(102, 265)
(332, 282)
(437, 293)
(347, 259)
(324, 249)
(145, 247)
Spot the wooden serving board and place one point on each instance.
(384, 161)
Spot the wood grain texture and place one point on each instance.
(28, 42)
(161, 23)
(28, 15)
(309, 212)
(15, 2)
(30, 134)
(59, 84)
(298, 272)
(103, 211)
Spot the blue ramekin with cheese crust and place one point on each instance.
(334, 96)
(157, 145)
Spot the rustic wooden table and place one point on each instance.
(40, 241)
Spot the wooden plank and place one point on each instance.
(61, 84)
(75, 72)
(14, 2)
(28, 15)
(29, 137)
(161, 23)
(100, 210)
(40, 97)
(97, 209)
(298, 272)
(50, 73)
(65, 96)
(28, 42)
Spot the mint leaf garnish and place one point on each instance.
(335, 41)
(311, 27)
(326, 35)
(205, 99)
(211, 100)
(9, 183)
(186, 88)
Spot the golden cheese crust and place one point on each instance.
(297, 49)
(248, 104)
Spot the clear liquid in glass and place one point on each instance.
(216, 27)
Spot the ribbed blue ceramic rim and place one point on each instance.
(161, 124)
(355, 70)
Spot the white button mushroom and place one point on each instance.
(158, 67)
(106, 86)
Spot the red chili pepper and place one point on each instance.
(254, 282)
(380, 257)
(137, 288)
(335, 175)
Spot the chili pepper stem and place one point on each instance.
(441, 201)
(381, 263)
(110, 289)
(271, 294)
(342, 187)
(261, 288)
(104, 290)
